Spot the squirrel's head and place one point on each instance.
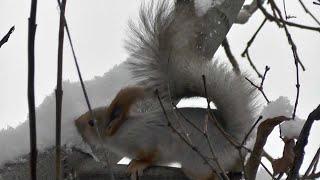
(107, 120)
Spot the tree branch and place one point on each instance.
(32, 26)
(302, 142)
(309, 12)
(232, 59)
(6, 37)
(59, 91)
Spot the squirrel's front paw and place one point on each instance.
(136, 167)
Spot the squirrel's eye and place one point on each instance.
(91, 123)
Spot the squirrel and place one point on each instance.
(168, 55)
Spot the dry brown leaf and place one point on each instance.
(284, 164)
(264, 130)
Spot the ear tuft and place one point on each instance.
(120, 107)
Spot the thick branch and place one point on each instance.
(31, 102)
(302, 142)
(59, 91)
(247, 11)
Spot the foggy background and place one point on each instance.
(98, 29)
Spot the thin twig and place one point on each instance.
(315, 166)
(276, 19)
(250, 131)
(231, 139)
(313, 163)
(209, 112)
(236, 144)
(195, 149)
(108, 164)
(295, 56)
(267, 68)
(268, 171)
(313, 176)
(252, 64)
(285, 11)
(253, 37)
(309, 12)
(31, 101)
(284, 8)
(232, 59)
(260, 88)
(6, 37)
(59, 91)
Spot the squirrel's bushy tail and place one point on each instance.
(165, 54)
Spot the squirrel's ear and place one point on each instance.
(120, 107)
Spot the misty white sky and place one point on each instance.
(98, 29)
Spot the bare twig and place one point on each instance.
(312, 176)
(209, 112)
(302, 142)
(250, 131)
(31, 102)
(252, 64)
(59, 91)
(6, 37)
(285, 11)
(260, 88)
(313, 163)
(268, 171)
(85, 93)
(284, 8)
(253, 37)
(295, 56)
(316, 3)
(232, 59)
(230, 138)
(309, 12)
(195, 149)
(276, 19)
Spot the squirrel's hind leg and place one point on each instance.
(143, 160)
(136, 167)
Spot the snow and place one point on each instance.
(14, 142)
(202, 6)
(126, 161)
(292, 129)
(282, 107)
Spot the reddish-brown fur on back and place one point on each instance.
(123, 102)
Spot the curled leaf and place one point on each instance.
(282, 165)
(264, 130)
